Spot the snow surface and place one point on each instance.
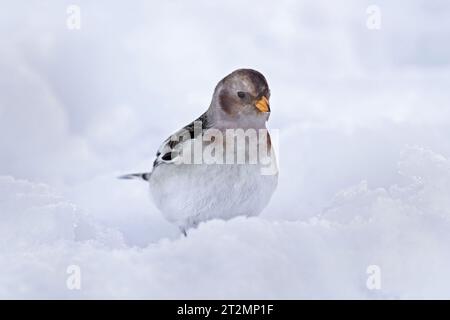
(405, 230)
(363, 119)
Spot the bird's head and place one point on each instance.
(241, 99)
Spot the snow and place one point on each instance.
(363, 119)
(405, 230)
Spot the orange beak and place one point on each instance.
(263, 104)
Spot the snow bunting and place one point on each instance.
(223, 164)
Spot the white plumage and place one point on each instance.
(189, 194)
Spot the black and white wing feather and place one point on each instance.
(170, 150)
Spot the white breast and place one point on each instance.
(189, 194)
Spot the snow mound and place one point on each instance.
(403, 229)
(33, 214)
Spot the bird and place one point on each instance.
(188, 187)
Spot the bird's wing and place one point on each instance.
(169, 151)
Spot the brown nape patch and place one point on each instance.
(227, 103)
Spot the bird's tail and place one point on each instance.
(139, 176)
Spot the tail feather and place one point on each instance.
(138, 176)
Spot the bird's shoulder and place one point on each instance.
(168, 151)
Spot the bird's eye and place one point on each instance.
(241, 94)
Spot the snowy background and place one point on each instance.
(364, 122)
